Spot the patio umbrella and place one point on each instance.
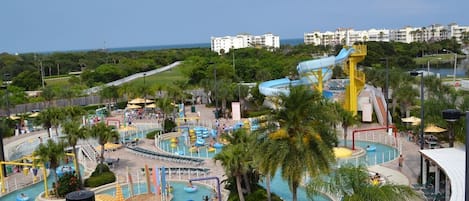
(433, 129)
(140, 101)
(14, 117)
(411, 119)
(34, 115)
(151, 106)
(109, 146)
(130, 106)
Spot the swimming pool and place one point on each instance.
(178, 191)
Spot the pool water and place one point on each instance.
(178, 191)
(183, 149)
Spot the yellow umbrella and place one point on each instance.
(151, 106)
(140, 100)
(34, 115)
(433, 129)
(109, 146)
(13, 117)
(411, 119)
(133, 106)
(104, 197)
(119, 195)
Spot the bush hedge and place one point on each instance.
(66, 184)
(151, 135)
(98, 179)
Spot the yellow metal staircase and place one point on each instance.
(357, 78)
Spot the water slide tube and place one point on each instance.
(281, 86)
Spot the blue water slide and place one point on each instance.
(281, 86)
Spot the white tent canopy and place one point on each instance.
(453, 162)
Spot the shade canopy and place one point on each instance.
(13, 117)
(433, 129)
(109, 146)
(411, 119)
(34, 115)
(151, 105)
(131, 106)
(140, 101)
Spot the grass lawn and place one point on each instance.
(57, 82)
(164, 78)
(434, 59)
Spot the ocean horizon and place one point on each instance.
(291, 41)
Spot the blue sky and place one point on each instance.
(53, 25)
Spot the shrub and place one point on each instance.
(98, 179)
(103, 167)
(103, 178)
(66, 184)
(169, 125)
(151, 135)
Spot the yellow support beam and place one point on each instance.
(356, 77)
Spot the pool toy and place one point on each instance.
(173, 145)
(22, 197)
(190, 189)
(370, 148)
(211, 149)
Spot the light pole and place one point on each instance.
(422, 114)
(428, 65)
(455, 64)
(144, 94)
(452, 115)
(216, 89)
(386, 93)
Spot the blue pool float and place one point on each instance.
(200, 142)
(370, 148)
(22, 197)
(190, 189)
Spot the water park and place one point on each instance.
(179, 165)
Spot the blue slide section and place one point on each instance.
(281, 86)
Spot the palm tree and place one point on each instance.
(347, 119)
(235, 158)
(57, 117)
(73, 133)
(74, 112)
(45, 118)
(103, 134)
(305, 139)
(52, 153)
(354, 183)
(166, 107)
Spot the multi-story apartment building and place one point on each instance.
(224, 44)
(348, 36)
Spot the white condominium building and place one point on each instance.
(345, 36)
(222, 45)
(348, 36)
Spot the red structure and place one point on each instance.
(394, 130)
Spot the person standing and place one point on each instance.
(400, 162)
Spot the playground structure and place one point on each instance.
(34, 167)
(316, 72)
